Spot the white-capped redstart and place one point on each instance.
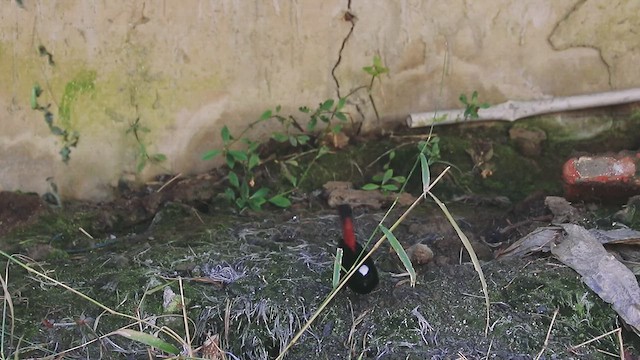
(365, 279)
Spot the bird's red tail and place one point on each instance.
(348, 234)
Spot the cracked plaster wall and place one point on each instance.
(185, 69)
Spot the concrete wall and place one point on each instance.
(185, 69)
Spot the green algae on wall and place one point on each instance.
(83, 82)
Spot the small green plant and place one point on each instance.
(69, 138)
(143, 157)
(472, 106)
(386, 181)
(288, 123)
(375, 70)
(242, 164)
(431, 149)
(242, 155)
(326, 113)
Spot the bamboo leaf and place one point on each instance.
(424, 167)
(395, 244)
(148, 339)
(337, 265)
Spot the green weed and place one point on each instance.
(386, 181)
(69, 138)
(472, 106)
(136, 129)
(303, 132)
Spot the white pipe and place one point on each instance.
(514, 110)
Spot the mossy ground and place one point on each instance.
(254, 279)
(286, 273)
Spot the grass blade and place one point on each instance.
(472, 254)
(426, 176)
(148, 339)
(337, 265)
(395, 244)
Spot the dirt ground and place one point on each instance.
(250, 280)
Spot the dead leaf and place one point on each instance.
(600, 271)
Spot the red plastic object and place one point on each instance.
(607, 178)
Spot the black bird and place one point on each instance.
(365, 279)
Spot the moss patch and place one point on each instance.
(82, 83)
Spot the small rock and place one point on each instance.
(562, 210)
(528, 141)
(420, 254)
(342, 192)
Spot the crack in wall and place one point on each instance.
(574, 42)
(349, 17)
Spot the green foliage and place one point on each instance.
(472, 106)
(386, 181)
(399, 250)
(136, 129)
(326, 113)
(302, 131)
(82, 83)
(242, 164)
(375, 70)
(148, 339)
(68, 137)
(431, 149)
